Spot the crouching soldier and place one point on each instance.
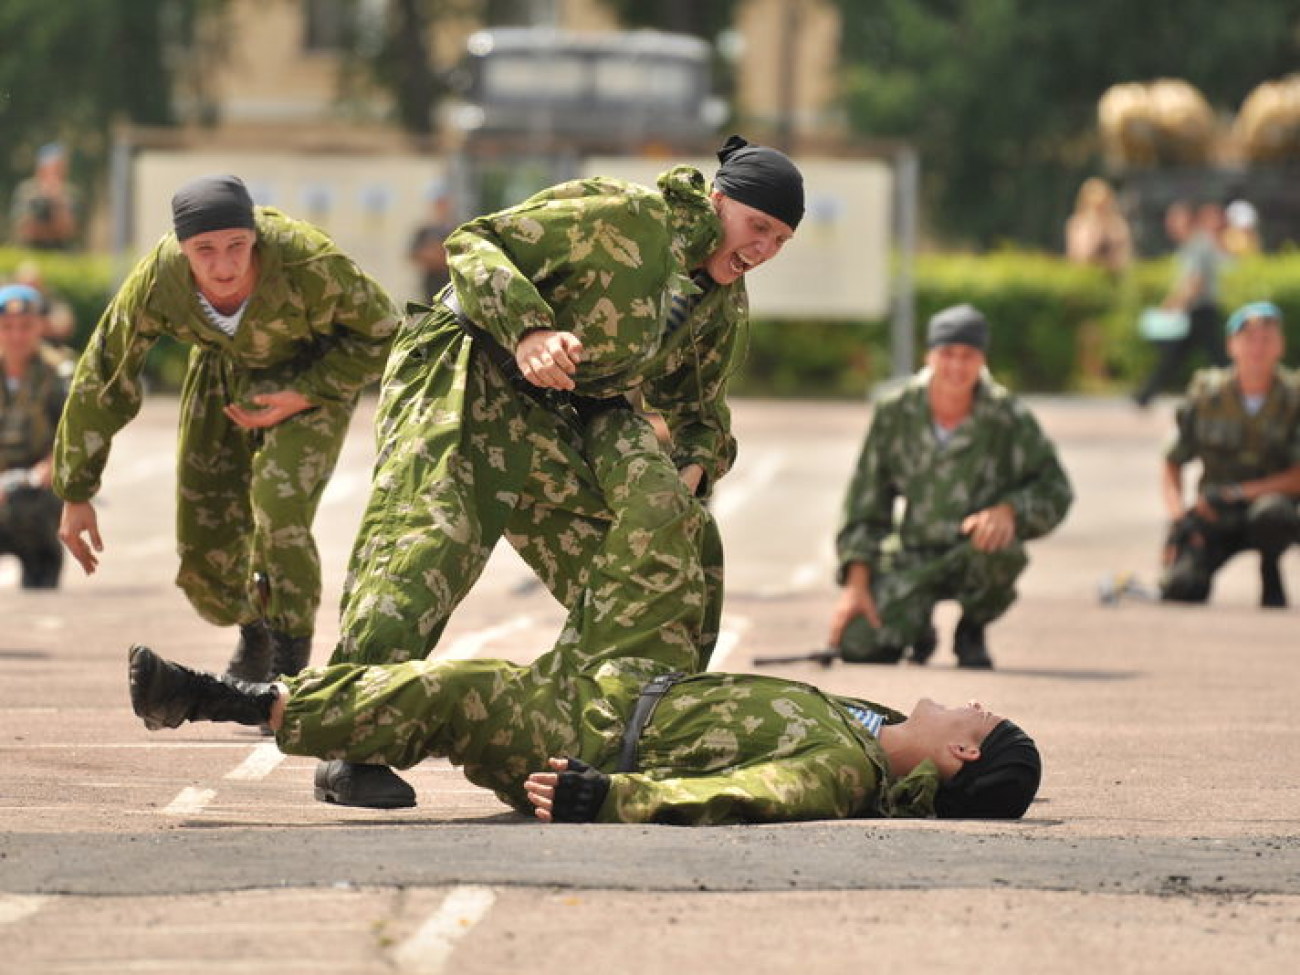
(31, 399)
(1243, 424)
(978, 479)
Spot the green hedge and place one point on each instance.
(1056, 327)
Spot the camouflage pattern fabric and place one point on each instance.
(720, 748)
(998, 455)
(29, 516)
(246, 499)
(465, 457)
(1232, 446)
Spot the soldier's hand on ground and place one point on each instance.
(855, 600)
(79, 532)
(548, 358)
(273, 408)
(541, 788)
(992, 529)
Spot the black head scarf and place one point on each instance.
(211, 203)
(762, 178)
(1000, 784)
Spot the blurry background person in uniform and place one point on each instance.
(44, 212)
(31, 399)
(1243, 425)
(978, 478)
(286, 331)
(1097, 233)
(1195, 292)
(427, 252)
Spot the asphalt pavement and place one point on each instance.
(1166, 836)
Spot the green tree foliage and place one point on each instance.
(72, 69)
(1000, 96)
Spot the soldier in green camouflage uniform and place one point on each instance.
(719, 748)
(1243, 424)
(31, 399)
(285, 330)
(588, 291)
(978, 478)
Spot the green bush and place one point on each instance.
(1057, 327)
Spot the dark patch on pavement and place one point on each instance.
(509, 852)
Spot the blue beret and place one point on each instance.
(19, 299)
(1256, 309)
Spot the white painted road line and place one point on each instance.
(428, 950)
(728, 639)
(470, 644)
(258, 765)
(735, 492)
(189, 802)
(15, 907)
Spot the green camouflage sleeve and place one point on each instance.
(1041, 494)
(355, 335)
(591, 257)
(106, 390)
(692, 398)
(1182, 447)
(808, 786)
(868, 512)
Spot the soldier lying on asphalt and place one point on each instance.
(577, 737)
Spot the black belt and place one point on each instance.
(572, 406)
(650, 697)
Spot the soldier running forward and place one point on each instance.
(558, 308)
(286, 330)
(978, 478)
(617, 723)
(1243, 425)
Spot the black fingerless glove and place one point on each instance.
(579, 793)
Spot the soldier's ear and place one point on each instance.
(964, 751)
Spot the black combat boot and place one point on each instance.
(968, 644)
(1272, 594)
(924, 647)
(289, 654)
(252, 659)
(166, 694)
(353, 784)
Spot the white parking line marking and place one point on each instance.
(15, 907)
(471, 643)
(736, 490)
(259, 764)
(728, 639)
(428, 950)
(189, 801)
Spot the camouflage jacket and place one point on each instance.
(1232, 446)
(998, 455)
(314, 323)
(30, 414)
(744, 748)
(603, 258)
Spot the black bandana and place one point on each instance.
(1000, 784)
(761, 178)
(211, 203)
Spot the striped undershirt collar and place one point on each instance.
(869, 719)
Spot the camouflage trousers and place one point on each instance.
(907, 585)
(1270, 525)
(643, 610)
(29, 529)
(246, 499)
(465, 459)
